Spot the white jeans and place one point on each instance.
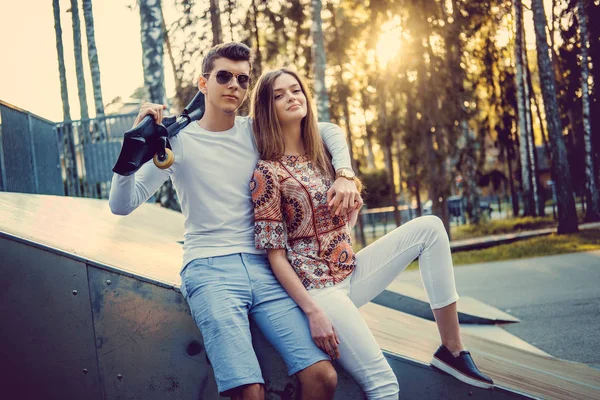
(376, 266)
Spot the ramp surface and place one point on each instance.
(91, 306)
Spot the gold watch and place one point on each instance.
(345, 173)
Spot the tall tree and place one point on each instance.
(592, 196)
(318, 53)
(526, 181)
(61, 62)
(88, 17)
(152, 36)
(215, 21)
(152, 49)
(79, 60)
(538, 201)
(257, 65)
(567, 214)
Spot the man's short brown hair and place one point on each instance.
(233, 50)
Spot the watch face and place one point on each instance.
(345, 173)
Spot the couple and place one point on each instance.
(304, 290)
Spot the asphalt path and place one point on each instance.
(557, 299)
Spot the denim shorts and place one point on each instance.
(222, 293)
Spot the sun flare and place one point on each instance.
(389, 43)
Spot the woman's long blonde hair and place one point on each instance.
(267, 130)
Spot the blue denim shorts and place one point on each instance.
(222, 293)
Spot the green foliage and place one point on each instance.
(377, 192)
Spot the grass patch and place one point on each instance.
(548, 245)
(552, 244)
(497, 227)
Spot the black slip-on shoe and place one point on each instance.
(462, 367)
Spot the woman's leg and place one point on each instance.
(382, 261)
(360, 354)
(379, 263)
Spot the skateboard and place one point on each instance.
(149, 140)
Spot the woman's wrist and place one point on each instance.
(312, 310)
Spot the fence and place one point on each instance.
(72, 158)
(29, 154)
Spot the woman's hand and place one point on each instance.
(323, 333)
(352, 218)
(343, 196)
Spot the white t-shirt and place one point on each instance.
(211, 175)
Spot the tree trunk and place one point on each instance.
(567, 215)
(418, 196)
(368, 134)
(528, 204)
(79, 60)
(533, 181)
(399, 163)
(513, 193)
(152, 49)
(542, 201)
(154, 80)
(215, 22)
(538, 199)
(320, 62)
(592, 196)
(389, 163)
(88, 17)
(257, 65)
(61, 62)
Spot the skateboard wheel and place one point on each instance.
(167, 162)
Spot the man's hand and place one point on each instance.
(156, 110)
(343, 197)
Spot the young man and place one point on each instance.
(225, 279)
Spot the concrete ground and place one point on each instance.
(557, 299)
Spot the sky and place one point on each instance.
(29, 76)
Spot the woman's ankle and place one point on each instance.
(454, 347)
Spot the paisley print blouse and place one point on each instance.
(290, 210)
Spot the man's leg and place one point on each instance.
(318, 381)
(218, 292)
(286, 327)
(254, 391)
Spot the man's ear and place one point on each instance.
(202, 85)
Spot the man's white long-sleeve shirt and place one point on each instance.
(211, 175)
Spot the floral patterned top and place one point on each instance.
(290, 212)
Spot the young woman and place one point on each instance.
(310, 250)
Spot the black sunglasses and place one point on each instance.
(224, 77)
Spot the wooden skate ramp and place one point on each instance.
(90, 306)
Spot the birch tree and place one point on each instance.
(528, 204)
(152, 36)
(592, 196)
(567, 215)
(320, 61)
(88, 17)
(61, 62)
(79, 60)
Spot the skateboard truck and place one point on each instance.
(149, 140)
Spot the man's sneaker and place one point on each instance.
(462, 367)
